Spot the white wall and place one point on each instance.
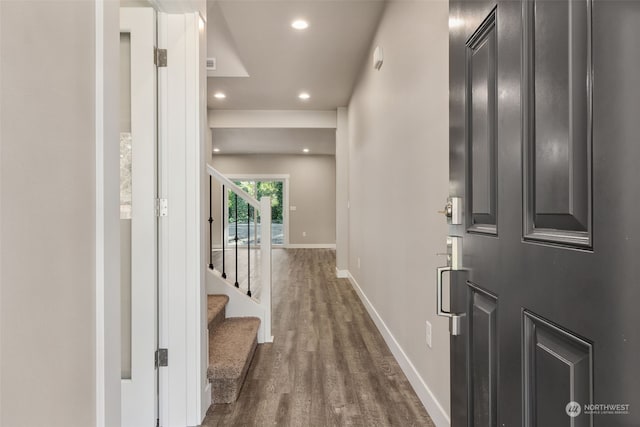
(398, 180)
(312, 190)
(47, 217)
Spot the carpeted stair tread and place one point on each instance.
(231, 346)
(216, 310)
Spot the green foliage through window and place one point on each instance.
(257, 189)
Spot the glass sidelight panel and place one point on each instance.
(125, 202)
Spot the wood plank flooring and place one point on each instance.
(328, 364)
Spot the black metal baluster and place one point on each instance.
(210, 228)
(248, 249)
(235, 198)
(223, 235)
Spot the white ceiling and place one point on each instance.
(323, 60)
(274, 141)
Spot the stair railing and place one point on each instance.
(261, 292)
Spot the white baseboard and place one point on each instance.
(431, 404)
(310, 246)
(342, 274)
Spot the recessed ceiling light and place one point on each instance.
(300, 24)
(304, 96)
(219, 95)
(305, 150)
(216, 150)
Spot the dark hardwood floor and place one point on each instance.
(328, 364)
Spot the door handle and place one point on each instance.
(455, 320)
(439, 310)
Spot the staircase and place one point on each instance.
(232, 344)
(238, 266)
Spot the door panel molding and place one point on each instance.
(557, 369)
(481, 129)
(482, 349)
(557, 122)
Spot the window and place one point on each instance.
(248, 229)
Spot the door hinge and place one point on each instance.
(162, 207)
(160, 57)
(162, 357)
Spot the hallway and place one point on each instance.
(328, 364)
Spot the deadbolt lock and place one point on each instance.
(453, 210)
(448, 210)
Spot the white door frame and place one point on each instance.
(263, 177)
(107, 234)
(139, 398)
(184, 394)
(190, 407)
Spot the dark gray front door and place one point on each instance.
(545, 156)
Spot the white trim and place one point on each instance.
(206, 398)
(107, 222)
(203, 130)
(163, 226)
(272, 119)
(342, 274)
(225, 214)
(310, 246)
(195, 322)
(220, 177)
(258, 176)
(437, 413)
(182, 307)
(265, 264)
(182, 6)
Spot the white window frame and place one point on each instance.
(262, 177)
